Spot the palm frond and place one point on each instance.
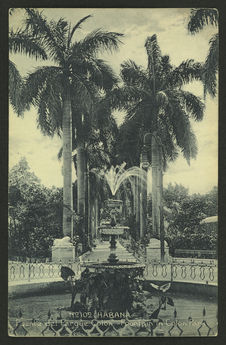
(104, 125)
(97, 41)
(166, 66)
(47, 33)
(87, 68)
(15, 86)
(202, 17)
(60, 153)
(132, 74)
(125, 96)
(84, 92)
(153, 49)
(49, 111)
(185, 73)
(169, 149)
(143, 112)
(190, 149)
(182, 131)
(77, 26)
(60, 31)
(96, 70)
(194, 105)
(211, 67)
(36, 81)
(97, 156)
(130, 141)
(21, 42)
(154, 56)
(109, 78)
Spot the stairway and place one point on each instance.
(102, 251)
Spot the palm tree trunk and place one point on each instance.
(160, 202)
(143, 203)
(155, 188)
(86, 199)
(92, 219)
(137, 201)
(96, 214)
(81, 168)
(133, 185)
(88, 206)
(67, 167)
(157, 193)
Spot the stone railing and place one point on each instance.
(22, 271)
(178, 271)
(202, 271)
(182, 271)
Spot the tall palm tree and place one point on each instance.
(98, 133)
(199, 18)
(96, 125)
(99, 128)
(156, 103)
(58, 90)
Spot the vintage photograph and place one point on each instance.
(113, 172)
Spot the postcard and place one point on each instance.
(113, 181)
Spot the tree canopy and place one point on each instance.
(184, 213)
(199, 18)
(154, 100)
(35, 213)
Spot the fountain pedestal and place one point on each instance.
(63, 250)
(153, 250)
(112, 257)
(113, 232)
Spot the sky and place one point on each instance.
(170, 26)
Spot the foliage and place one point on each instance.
(130, 221)
(184, 212)
(25, 43)
(35, 213)
(114, 290)
(75, 63)
(199, 18)
(64, 93)
(154, 101)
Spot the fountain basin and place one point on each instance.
(119, 230)
(35, 310)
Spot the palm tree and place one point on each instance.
(157, 104)
(97, 124)
(59, 90)
(99, 128)
(199, 18)
(21, 42)
(98, 132)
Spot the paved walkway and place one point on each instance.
(102, 251)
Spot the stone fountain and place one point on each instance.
(113, 280)
(114, 231)
(113, 284)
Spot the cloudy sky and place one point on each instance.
(170, 25)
